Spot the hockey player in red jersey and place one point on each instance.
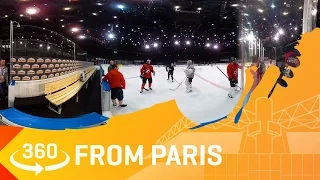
(146, 75)
(232, 71)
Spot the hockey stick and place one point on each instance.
(226, 75)
(179, 85)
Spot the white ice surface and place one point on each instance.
(208, 101)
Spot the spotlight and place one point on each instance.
(67, 8)
(188, 42)
(176, 42)
(208, 45)
(155, 45)
(147, 47)
(215, 46)
(32, 10)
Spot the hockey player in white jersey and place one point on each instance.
(190, 71)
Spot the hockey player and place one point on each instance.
(110, 66)
(146, 75)
(170, 70)
(117, 83)
(232, 71)
(190, 71)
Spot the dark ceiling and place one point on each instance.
(136, 24)
(139, 23)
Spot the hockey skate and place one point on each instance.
(230, 95)
(189, 88)
(150, 88)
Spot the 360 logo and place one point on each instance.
(39, 151)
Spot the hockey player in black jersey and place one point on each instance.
(170, 69)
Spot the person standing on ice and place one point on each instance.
(117, 84)
(146, 75)
(170, 70)
(110, 66)
(232, 71)
(190, 71)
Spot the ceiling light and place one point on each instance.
(176, 43)
(155, 45)
(273, 6)
(48, 47)
(120, 6)
(215, 46)
(147, 47)
(82, 37)
(67, 8)
(95, 14)
(250, 37)
(32, 10)
(235, 5)
(47, 19)
(260, 10)
(21, 15)
(188, 42)
(5, 16)
(199, 9)
(111, 36)
(314, 12)
(177, 7)
(208, 45)
(285, 13)
(99, 4)
(41, 45)
(62, 26)
(75, 29)
(281, 32)
(61, 20)
(115, 17)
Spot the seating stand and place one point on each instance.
(67, 92)
(58, 111)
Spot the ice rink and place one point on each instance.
(208, 101)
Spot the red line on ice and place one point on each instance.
(212, 83)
